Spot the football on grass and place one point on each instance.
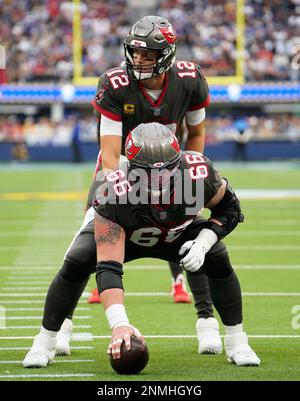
(133, 361)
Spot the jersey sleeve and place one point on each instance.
(201, 167)
(212, 182)
(103, 203)
(105, 210)
(110, 203)
(200, 93)
(106, 101)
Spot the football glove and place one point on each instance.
(196, 250)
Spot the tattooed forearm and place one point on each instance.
(106, 231)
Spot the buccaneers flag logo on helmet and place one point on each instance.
(131, 149)
(168, 35)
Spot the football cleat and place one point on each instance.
(238, 350)
(41, 353)
(94, 297)
(208, 336)
(64, 338)
(180, 294)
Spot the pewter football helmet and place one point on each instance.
(154, 158)
(151, 146)
(150, 33)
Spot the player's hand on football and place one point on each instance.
(194, 255)
(121, 334)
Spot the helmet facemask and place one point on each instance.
(154, 159)
(165, 58)
(150, 33)
(158, 183)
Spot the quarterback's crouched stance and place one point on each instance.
(125, 230)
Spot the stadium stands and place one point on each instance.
(38, 35)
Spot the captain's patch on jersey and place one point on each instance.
(129, 108)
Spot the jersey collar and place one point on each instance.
(161, 96)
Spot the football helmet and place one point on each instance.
(154, 157)
(151, 146)
(150, 33)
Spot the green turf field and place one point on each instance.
(41, 207)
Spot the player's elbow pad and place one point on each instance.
(228, 212)
(109, 275)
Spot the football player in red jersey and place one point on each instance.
(150, 57)
(151, 86)
(150, 207)
(162, 225)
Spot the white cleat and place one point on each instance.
(64, 338)
(238, 350)
(208, 336)
(41, 353)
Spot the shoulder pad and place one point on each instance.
(187, 70)
(191, 157)
(107, 78)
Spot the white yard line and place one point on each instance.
(277, 248)
(36, 294)
(267, 267)
(194, 336)
(239, 233)
(254, 233)
(27, 348)
(24, 281)
(41, 250)
(273, 222)
(38, 327)
(270, 294)
(236, 267)
(82, 337)
(17, 289)
(31, 275)
(44, 251)
(75, 337)
(37, 233)
(36, 317)
(157, 267)
(170, 336)
(47, 376)
(34, 301)
(55, 361)
(271, 194)
(39, 309)
(44, 267)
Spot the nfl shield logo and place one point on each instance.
(163, 215)
(156, 111)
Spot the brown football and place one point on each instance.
(133, 361)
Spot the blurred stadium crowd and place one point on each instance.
(38, 35)
(42, 131)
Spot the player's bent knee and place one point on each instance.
(218, 266)
(83, 250)
(74, 273)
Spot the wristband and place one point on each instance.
(116, 315)
(208, 238)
